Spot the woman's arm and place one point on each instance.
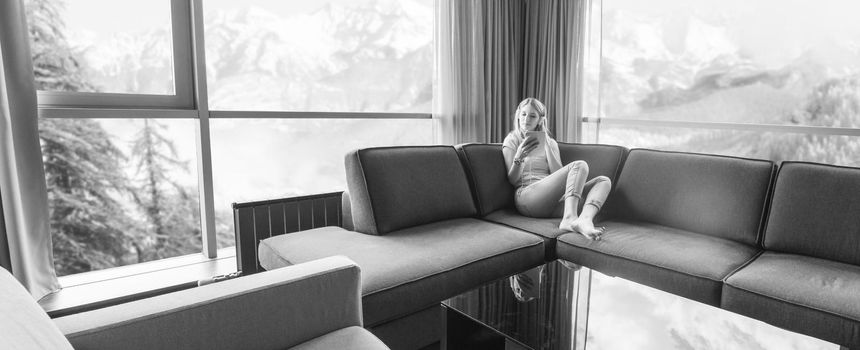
(554, 156)
(513, 157)
(513, 168)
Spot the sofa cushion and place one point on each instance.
(23, 324)
(485, 166)
(708, 194)
(814, 212)
(398, 187)
(603, 160)
(813, 296)
(487, 171)
(680, 262)
(354, 338)
(408, 270)
(546, 228)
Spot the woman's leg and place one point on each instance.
(598, 189)
(541, 198)
(574, 189)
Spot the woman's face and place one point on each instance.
(529, 118)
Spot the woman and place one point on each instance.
(545, 188)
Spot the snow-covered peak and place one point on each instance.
(628, 37)
(705, 42)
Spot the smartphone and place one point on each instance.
(540, 136)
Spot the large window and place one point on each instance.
(121, 190)
(146, 144)
(769, 79)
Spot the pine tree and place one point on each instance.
(54, 62)
(89, 228)
(834, 103)
(171, 211)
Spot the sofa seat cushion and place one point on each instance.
(546, 228)
(355, 338)
(813, 296)
(408, 270)
(680, 262)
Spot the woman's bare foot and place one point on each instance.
(567, 223)
(584, 227)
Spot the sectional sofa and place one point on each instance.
(308, 306)
(777, 243)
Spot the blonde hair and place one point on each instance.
(539, 107)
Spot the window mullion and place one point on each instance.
(183, 58)
(204, 147)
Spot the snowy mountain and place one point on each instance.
(697, 67)
(127, 62)
(371, 57)
(374, 57)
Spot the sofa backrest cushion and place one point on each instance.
(485, 166)
(397, 187)
(24, 325)
(719, 196)
(814, 212)
(605, 160)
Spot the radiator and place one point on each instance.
(256, 221)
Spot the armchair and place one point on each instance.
(315, 305)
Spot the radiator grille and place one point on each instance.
(256, 221)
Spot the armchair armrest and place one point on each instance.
(271, 310)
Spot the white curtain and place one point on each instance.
(458, 105)
(490, 54)
(478, 61)
(504, 23)
(556, 33)
(22, 178)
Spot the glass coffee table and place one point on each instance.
(563, 306)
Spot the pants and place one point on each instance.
(541, 199)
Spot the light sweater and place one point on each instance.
(536, 165)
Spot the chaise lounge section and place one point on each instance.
(418, 239)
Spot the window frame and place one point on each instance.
(180, 13)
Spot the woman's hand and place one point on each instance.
(528, 145)
(514, 157)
